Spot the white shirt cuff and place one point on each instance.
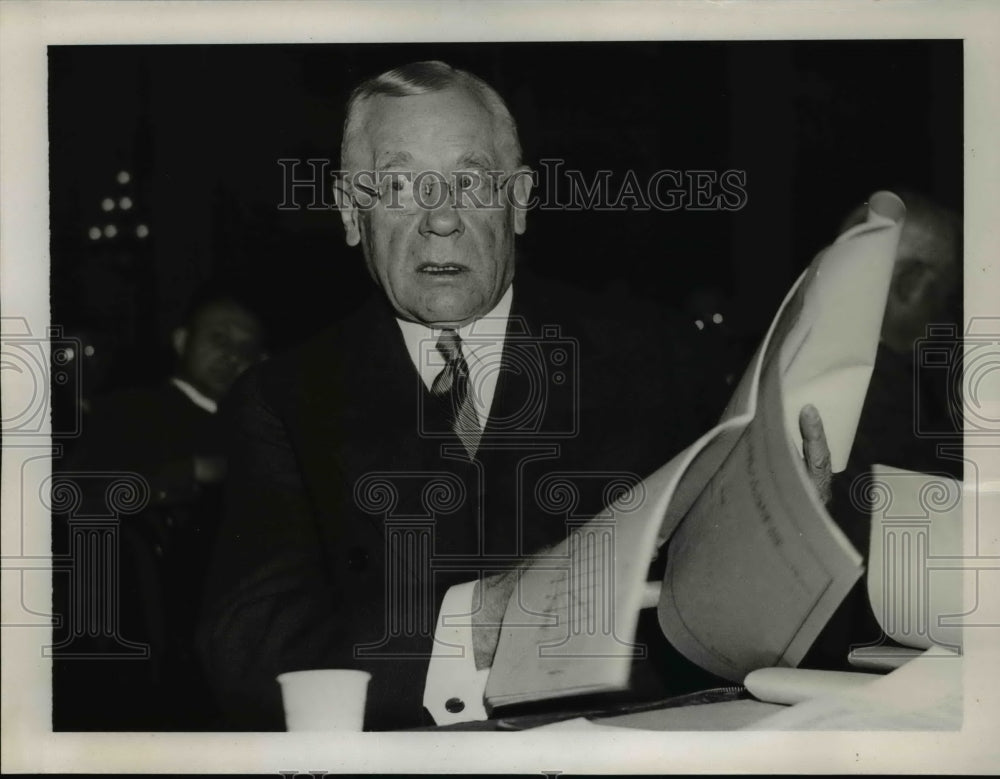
(453, 690)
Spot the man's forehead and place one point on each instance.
(445, 126)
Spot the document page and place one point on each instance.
(570, 624)
(757, 567)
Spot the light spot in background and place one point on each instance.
(717, 318)
(142, 231)
(125, 203)
(124, 177)
(110, 231)
(88, 350)
(699, 324)
(107, 204)
(94, 233)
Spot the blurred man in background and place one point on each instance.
(170, 436)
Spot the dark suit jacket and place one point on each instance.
(353, 508)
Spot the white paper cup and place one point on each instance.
(324, 699)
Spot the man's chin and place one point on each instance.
(446, 322)
(449, 313)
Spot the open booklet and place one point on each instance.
(755, 565)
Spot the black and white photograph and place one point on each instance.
(572, 388)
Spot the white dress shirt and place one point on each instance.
(199, 399)
(453, 688)
(482, 347)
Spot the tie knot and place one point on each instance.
(449, 344)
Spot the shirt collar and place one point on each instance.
(199, 399)
(421, 339)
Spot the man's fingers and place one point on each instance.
(816, 451)
(491, 595)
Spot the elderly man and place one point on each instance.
(411, 452)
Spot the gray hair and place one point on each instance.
(419, 78)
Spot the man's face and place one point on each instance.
(219, 344)
(439, 266)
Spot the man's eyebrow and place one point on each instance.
(476, 160)
(393, 160)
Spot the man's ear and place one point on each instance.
(523, 179)
(348, 212)
(909, 282)
(178, 339)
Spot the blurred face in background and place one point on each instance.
(924, 279)
(438, 264)
(220, 342)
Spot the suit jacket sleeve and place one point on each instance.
(270, 603)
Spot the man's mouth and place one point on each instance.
(441, 269)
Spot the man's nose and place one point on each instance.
(444, 220)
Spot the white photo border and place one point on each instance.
(27, 28)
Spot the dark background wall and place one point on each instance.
(817, 126)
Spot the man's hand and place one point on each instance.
(492, 595)
(816, 452)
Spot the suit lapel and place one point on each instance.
(364, 414)
(531, 401)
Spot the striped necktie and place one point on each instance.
(452, 385)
